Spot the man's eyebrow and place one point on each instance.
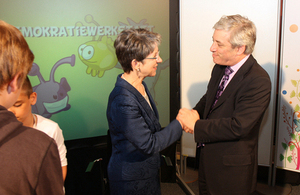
(215, 40)
(218, 41)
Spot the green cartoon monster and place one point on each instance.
(99, 56)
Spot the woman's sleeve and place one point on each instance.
(130, 121)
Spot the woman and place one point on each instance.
(136, 135)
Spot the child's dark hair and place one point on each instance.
(27, 87)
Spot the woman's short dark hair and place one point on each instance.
(135, 44)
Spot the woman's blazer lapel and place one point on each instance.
(153, 114)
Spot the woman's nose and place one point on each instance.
(159, 60)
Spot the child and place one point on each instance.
(29, 160)
(22, 110)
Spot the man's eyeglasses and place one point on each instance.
(154, 58)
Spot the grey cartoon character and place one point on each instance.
(52, 96)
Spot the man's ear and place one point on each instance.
(241, 49)
(14, 84)
(33, 98)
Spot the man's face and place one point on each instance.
(22, 107)
(222, 51)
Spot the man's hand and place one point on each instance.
(187, 119)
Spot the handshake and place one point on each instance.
(187, 118)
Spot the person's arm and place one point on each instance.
(59, 138)
(64, 172)
(188, 119)
(127, 115)
(238, 117)
(50, 180)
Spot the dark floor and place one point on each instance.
(83, 152)
(190, 178)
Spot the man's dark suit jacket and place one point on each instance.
(228, 161)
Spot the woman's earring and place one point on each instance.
(138, 70)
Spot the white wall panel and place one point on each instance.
(288, 131)
(197, 18)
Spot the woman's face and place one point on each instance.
(149, 64)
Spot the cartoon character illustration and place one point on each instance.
(52, 96)
(291, 145)
(297, 123)
(98, 55)
(141, 24)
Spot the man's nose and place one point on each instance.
(213, 47)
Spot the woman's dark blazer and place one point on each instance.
(136, 134)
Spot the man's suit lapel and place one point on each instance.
(214, 82)
(235, 81)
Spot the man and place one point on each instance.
(226, 120)
(29, 162)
